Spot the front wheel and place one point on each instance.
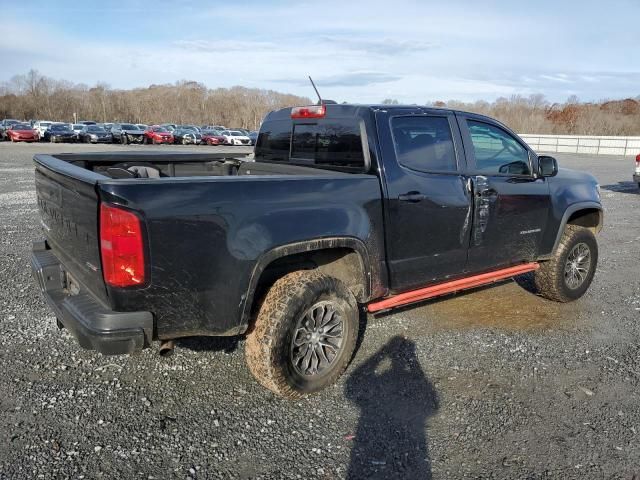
(567, 276)
(305, 334)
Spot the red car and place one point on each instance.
(213, 137)
(157, 134)
(22, 132)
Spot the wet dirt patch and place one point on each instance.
(504, 306)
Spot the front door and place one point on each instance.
(428, 206)
(511, 203)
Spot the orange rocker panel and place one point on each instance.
(450, 287)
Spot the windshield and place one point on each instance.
(78, 127)
(161, 130)
(211, 132)
(45, 124)
(21, 126)
(236, 133)
(60, 127)
(95, 129)
(128, 126)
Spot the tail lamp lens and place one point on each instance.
(638, 161)
(121, 247)
(312, 111)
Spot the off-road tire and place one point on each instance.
(549, 279)
(268, 346)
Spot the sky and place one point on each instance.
(362, 52)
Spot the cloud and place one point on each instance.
(213, 46)
(351, 79)
(386, 46)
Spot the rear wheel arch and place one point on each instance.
(344, 258)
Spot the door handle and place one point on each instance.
(412, 197)
(488, 193)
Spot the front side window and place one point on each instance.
(424, 143)
(496, 151)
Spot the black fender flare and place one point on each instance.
(281, 251)
(571, 209)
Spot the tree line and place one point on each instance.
(535, 114)
(36, 96)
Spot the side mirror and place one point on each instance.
(547, 166)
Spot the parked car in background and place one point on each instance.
(59, 132)
(77, 128)
(88, 122)
(214, 127)
(41, 127)
(94, 134)
(157, 134)
(169, 126)
(213, 137)
(187, 136)
(107, 126)
(22, 132)
(235, 137)
(126, 133)
(253, 136)
(190, 127)
(4, 126)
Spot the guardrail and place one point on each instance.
(583, 144)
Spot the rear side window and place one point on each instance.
(424, 143)
(336, 143)
(332, 143)
(273, 142)
(496, 151)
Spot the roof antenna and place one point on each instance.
(317, 92)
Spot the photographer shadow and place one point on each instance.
(395, 399)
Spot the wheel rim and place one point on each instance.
(577, 266)
(317, 340)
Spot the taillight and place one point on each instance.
(312, 111)
(638, 161)
(121, 247)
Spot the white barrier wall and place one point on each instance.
(583, 144)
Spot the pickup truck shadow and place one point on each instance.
(622, 187)
(395, 399)
(212, 344)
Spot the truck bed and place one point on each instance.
(210, 223)
(177, 164)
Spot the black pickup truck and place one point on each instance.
(346, 208)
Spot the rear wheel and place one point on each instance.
(567, 276)
(305, 334)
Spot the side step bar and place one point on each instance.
(450, 287)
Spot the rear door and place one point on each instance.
(428, 205)
(511, 204)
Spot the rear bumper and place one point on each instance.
(95, 326)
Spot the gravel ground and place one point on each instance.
(491, 384)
